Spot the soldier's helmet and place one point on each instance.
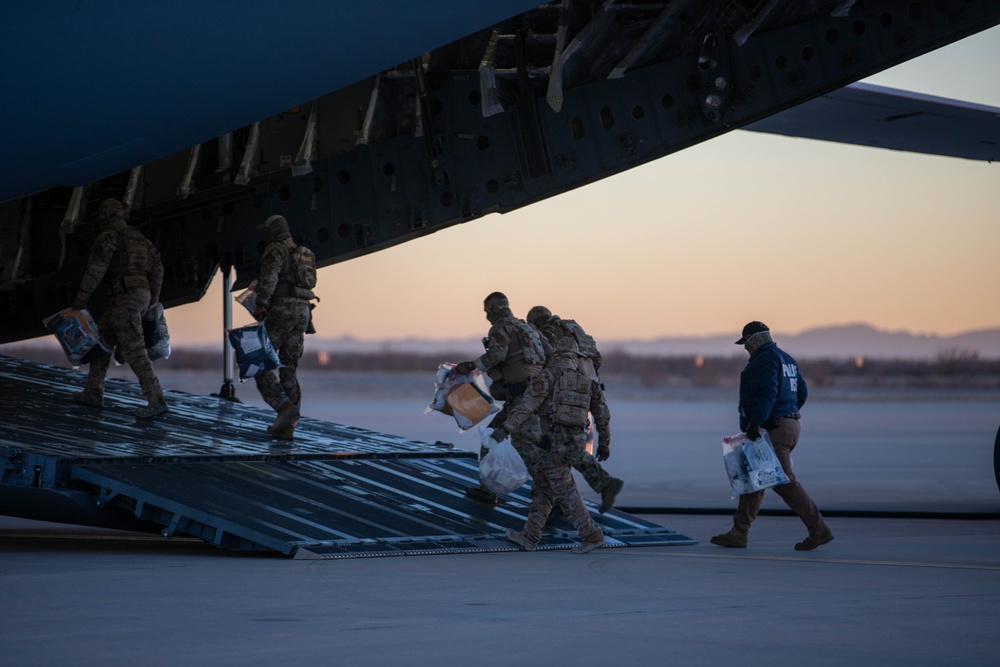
(538, 316)
(110, 210)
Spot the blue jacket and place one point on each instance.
(771, 387)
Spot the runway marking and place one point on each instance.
(842, 561)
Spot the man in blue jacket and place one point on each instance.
(772, 392)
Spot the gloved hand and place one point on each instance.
(753, 431)
(260, 313)
(499, 434)
(603, 452)
(465, 368)
(79, 304)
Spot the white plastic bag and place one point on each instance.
(464, 397)
(751, 465)
(501, 470)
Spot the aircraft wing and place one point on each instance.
(868, 115)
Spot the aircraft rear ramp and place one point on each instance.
(207, 469)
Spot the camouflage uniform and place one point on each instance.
(561, 395)
(566, 336)
(515, 352)
(286, 312)
(131, 269)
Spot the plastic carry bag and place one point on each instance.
(248, 297)
(501, 470)
(77, 333)
(464, 397)
(751, 465)
(155, 336)
(254, 352)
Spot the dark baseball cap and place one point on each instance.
(752, 329)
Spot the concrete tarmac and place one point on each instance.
(884, 592)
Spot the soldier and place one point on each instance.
(514, 352)
(284, 291)
(132, 272)
(569, 336)
(561, 395)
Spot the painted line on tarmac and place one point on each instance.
(841, 561)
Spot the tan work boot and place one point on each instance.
(730, 539)
(609, 493)
(814, 541)
(588, 546)
(517, 537)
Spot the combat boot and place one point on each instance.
(87, 397)
(609, 493)
(730, 539)
(152, 410)
(481, 495)
(288, 415)
(286, 433)
(517, 537)
(587, 546)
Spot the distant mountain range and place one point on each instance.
(846, 341)
(834, 342)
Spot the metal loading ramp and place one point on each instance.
(209, 471)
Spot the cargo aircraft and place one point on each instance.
(371, 124)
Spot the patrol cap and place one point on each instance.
(270, 221)
(752, 329)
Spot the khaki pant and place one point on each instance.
(784, 438)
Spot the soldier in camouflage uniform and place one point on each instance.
(514, 352)
(560, 395)
(130, 267)
(570, 337)
(284, 308)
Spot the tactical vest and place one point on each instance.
(584, 341)
(298, 275)
(571, 399)
(132, 260)
(526, 345)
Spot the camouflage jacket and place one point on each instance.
(126, 260)
(546, 395)
(275, 270)
(515, 351)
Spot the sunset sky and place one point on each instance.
(793, 232)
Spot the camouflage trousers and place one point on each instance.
(554, 485)
(121, 326)
(579, 459)
(286, 327)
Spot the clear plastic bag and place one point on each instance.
(751, 465)
(464, 397)
(248, 297)
(155, 336)
(501, 471)
(77, 333)
(155, 333)
(254, 352)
